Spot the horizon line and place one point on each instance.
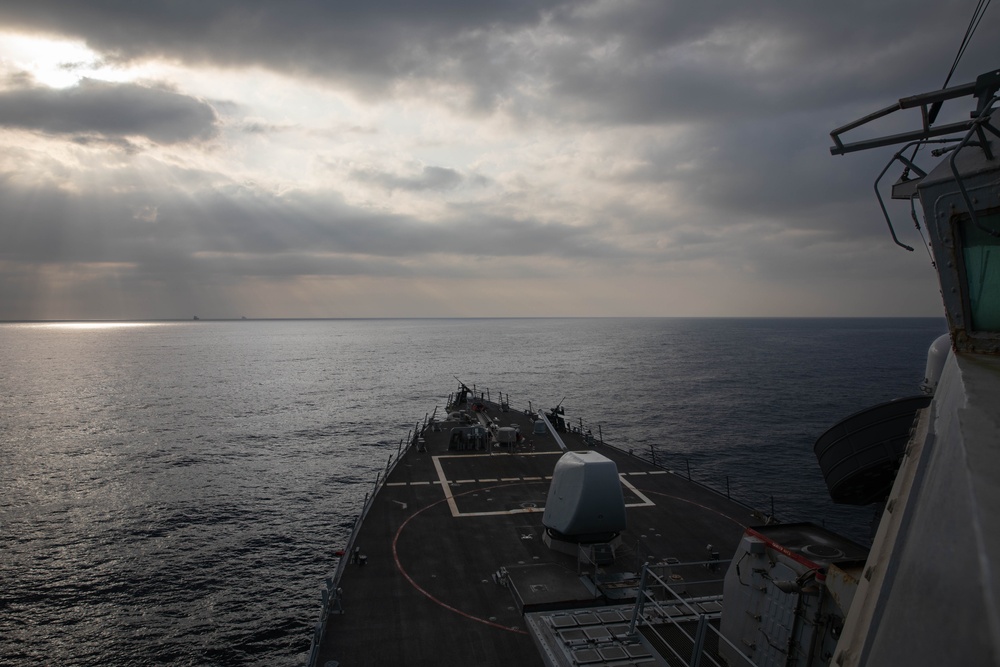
(478, 317)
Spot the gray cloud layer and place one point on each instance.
(109, 110)
(430, 178)
(238, 220)
(737, 98)
(626, 61)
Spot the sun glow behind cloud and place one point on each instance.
(57, 63)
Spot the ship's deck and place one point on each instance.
(446, 521)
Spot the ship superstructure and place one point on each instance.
(930, 591)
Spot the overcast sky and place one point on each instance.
(399, 159)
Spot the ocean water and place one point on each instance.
(175, 491)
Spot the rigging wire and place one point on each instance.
(970, 30)
(977, 17)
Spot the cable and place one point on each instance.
(739, 576)
(977, 17)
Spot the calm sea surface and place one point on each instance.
(174, 492)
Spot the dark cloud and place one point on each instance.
(650, 62)
(261, 127)
(637, 61)
(429, 178)
(369, 44)
(767, 168)
(102, 141)
(165, 230)
(109, 110)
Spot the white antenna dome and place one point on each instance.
(936, 356)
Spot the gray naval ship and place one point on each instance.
(506, 535)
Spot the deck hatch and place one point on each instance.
(613, 653)
(637, 651)
(586, 656)
(562, 621)
(598, 633)
(610, 616)
(574, 636)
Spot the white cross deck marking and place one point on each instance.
(646, 502)
(453, 506)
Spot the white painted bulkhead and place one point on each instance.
(931, 590)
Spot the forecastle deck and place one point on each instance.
(449, 557)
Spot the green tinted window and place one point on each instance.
(981, 253)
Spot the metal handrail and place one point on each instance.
(698, 641)
(979, 123)
(909, 165)
(330, 595)
(984, 87)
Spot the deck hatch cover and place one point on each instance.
(599, 633)
(637, 651)
(610, 616)
(586, 656)
(613, 653)
(572, 636)
(562, 621)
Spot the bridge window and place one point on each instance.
(981, 256)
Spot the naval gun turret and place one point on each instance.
(585, 506)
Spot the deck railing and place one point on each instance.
(331, 601)
(657, 605)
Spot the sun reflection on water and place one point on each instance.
(93, 325)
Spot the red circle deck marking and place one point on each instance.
(399, 566)
(432, 598)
